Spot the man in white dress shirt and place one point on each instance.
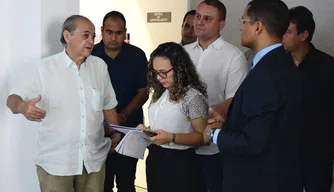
(70, 95)
(222, 67)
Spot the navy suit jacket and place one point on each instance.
(259, 140)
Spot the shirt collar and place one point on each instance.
(217, 44)
(99, 47)
(69, 61)
(263, 52)
(308, 57)
(195, 44)
(100, 52)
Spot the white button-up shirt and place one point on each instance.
(222, 67)
(71, 135)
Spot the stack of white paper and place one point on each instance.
(134, 142)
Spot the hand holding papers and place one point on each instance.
(134, 142)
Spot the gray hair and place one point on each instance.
(70, 24)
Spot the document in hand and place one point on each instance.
(133, 143)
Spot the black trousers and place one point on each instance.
(124, 168)
(171, 170)
(317, 176)
(211, 172)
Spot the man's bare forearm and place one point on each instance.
(110, 116)
(14, 103)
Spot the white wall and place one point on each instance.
(53, 14)
(321, 9)
(30, 30)
(194, 3)
(95, 12)
(4, 64)
(21, 44)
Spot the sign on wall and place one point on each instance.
(159, 17)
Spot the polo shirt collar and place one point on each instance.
(308, 57)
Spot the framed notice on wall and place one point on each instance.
(159, 17)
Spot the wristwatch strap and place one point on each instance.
(172, 143)
(212, 132)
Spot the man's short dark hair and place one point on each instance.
(191, 12)
(70, 24)
(303, 19)
(218, 5)
(114, 14)
(274, 14)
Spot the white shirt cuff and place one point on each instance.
(215, 136)
(110, 105)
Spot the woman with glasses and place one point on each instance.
(178, 115)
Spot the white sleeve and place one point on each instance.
(27, 85)
(237, 72)
(109, 93)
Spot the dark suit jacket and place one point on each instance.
(259, 141)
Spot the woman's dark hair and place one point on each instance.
(185, 73)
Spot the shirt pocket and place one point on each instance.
(97, 100)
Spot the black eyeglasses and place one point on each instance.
(162, 74)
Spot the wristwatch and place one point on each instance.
(211, 133)
(172, 143)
